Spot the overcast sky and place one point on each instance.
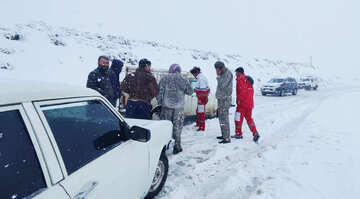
(290, 30)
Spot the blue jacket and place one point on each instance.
(115, 70)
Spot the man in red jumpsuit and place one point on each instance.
(245, 104)
(202, 92)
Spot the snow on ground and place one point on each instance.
(308, 149)
(308, 145)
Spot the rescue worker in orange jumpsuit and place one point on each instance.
(245, 104)
(202, 92)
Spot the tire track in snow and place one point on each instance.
(208, 170)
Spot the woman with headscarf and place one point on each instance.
(173, 88)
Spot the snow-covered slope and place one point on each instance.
(309, 142)
(39, 51)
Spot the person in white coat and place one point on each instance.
(202, 92)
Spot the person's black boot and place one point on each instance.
(224, 141)
(220, 137)
(177, 150)
(236, 136)
(256, 137)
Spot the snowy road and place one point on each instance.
(308, 149)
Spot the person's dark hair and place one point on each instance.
(240, 70)
(219, 64)
(144, 62)
(103, 57)
(195, 70)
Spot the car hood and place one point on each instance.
(138, 122)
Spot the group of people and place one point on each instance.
(170, 94)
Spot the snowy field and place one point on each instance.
(308, 149)
(309, 144)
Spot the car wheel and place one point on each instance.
(315, 88)
(159, 177)
(295, 91)
(308, 88)
(282, 92)
(262, 93)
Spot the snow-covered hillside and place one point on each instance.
(58, 54)
(309, 142)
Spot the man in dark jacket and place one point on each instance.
(99, 79)
(245, 104)
(115, 70)
(142, 88)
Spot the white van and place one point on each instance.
(190, 101)
(308, 83)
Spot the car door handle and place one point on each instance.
(83, 194)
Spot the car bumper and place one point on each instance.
(275, 91)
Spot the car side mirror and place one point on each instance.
(140, 134)
(108, 139)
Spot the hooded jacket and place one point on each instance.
(244, 92)
(114, 72)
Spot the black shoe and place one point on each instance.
(256, 137)
(220, 137)
(177, 150)
(224, 141)
(200, 130)
(236, 136)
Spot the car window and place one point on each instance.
(20, 170)
(75, 127)
(276, 80)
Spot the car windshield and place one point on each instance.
(276, 80)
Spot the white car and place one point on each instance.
(67, 142)
(309, 83)
(190, 101)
